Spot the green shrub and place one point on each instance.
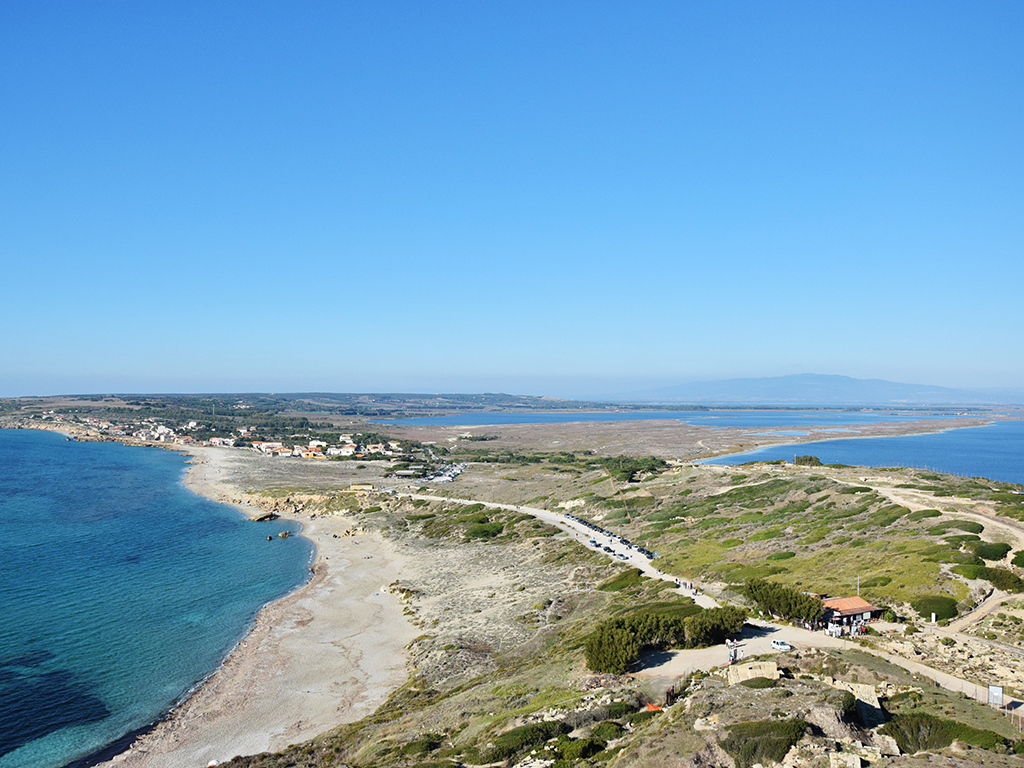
(848, 705)
(942, 606)
(961, 525)
(963, 538)
(783, 601)
(988, 551)
(762, 741)
(611, 648)
(807, 461)
(1018, 559)
(518, 739)
(1000, 578)
(427, 743)
(608, 730)
(916, 731)
(619, 709)
(484, 530)
(580, 749)
(759, 682)
(969, 571)
(781, 556)
(643, 716)
(923, 513)
(616, 643)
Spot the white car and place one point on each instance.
(781, 645)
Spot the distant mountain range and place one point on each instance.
(813, 389)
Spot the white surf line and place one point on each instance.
(582, 534)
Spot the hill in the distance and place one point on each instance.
(818, 389)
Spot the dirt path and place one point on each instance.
(983, 609)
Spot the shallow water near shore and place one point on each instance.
(122, 590)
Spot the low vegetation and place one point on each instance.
(763, 741)
(617, 643)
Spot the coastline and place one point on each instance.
(328, 653)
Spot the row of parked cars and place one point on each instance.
(621, 539)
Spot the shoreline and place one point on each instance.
(327, 653)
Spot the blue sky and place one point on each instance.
(539, 198)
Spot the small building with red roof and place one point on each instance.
(845, 610)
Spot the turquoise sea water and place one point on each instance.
(121, 591)
(995, 451)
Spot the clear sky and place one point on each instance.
(565, 198)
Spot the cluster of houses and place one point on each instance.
(317, 449)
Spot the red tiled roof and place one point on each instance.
(844, 605)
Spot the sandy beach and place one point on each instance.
(331, 652)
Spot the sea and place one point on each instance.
(120, 591)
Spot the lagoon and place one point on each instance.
(994, 451)
(761, 419)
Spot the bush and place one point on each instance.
(484, 530)
(848, 705)
(988, 551)
(608, 730)
(762, 741)
(783, 601)
(518, 739)
(807, 461)
(619, 709)
(581, 748)
(421, 746)
(759, 682)
(611, 648)
(1018, 559)
(1000, 578)
(618, 642)
(942, 606)
(643, 716)
(781, 556)
(916, 731)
